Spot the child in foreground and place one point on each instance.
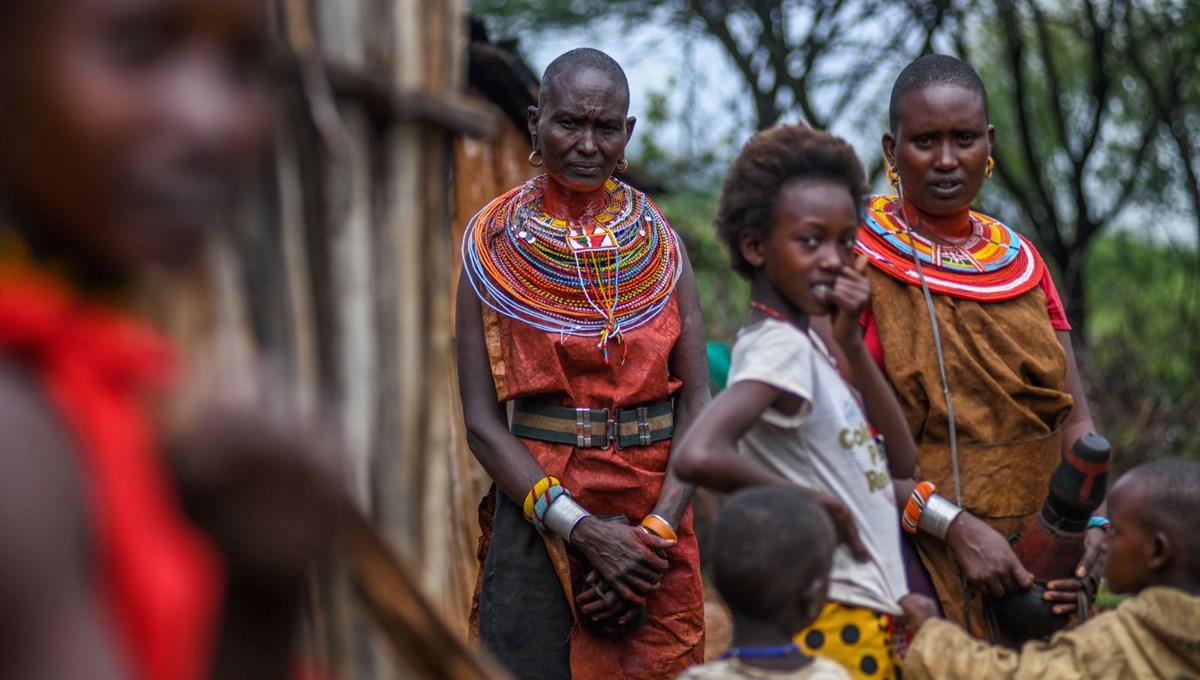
(1154, 553)
(789, 215)
(772, 549)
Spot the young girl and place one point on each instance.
(789, 214)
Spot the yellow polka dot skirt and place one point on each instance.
(858, 639)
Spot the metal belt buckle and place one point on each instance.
(613, 428)
(643, 422)
(583, 427)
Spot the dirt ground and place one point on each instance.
(719, 626)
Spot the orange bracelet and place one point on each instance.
(916, 506)
(659, 527)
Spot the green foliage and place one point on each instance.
(1144, 359)
(1078, 145)
(723, 294)
(1106, 600)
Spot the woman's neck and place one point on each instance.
(951, 228)
(574, 206)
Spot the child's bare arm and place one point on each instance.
(851, 293)
(688, 362)
(708, 454)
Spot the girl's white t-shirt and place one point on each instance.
(827, 446)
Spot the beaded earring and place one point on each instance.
(893, 177)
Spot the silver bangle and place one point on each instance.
(562, 516)
(937, 516)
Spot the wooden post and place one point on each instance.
(338, 264)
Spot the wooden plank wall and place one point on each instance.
(339, 267)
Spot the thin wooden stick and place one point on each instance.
(415, 633)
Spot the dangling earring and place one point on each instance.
(535, 158)
(987, 169)
(622, 165)
(892, 175)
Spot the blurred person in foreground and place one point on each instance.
(1154, 554)
(579, 309)
(123, 124)
(772, 549)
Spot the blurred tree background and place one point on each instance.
(1096, 104)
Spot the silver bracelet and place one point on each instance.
(562, 516)
(937, 516)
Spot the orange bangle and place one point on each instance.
(915, 507)
(659, 527)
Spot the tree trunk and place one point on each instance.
(1074, 297)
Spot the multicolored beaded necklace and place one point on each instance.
(993, 263)
(600, 277)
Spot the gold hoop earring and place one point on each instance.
(893, 177)
(987, 169)
(622, 165)
(535, 158)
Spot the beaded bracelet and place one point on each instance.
(916, 506)
(538, 501)
(538, 489)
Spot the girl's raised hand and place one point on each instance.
(851, 293)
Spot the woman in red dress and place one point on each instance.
(579, 310)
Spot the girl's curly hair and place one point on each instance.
(770, 161)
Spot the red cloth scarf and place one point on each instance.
(161, 578)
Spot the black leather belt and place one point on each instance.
(591, 427)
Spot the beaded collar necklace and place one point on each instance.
(597, 277)
(990, 264)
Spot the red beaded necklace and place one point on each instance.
(769, 311)
(778, 316)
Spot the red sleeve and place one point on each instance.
(1054, 305)
(871, 336)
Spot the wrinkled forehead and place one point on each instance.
(583, 86)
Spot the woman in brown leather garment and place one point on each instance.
(1006, 359)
